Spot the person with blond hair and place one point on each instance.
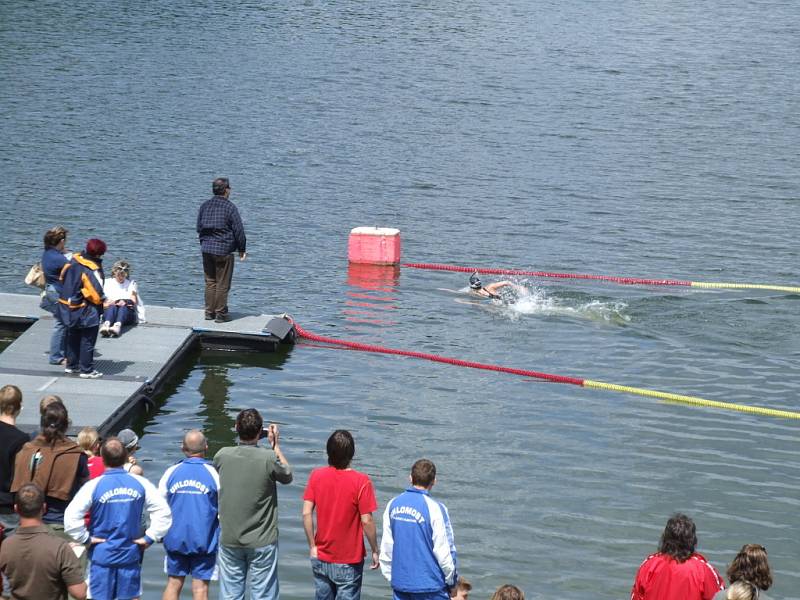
(123, 305)
(89, 441)
(12, 439)
(508, 592)
(750, 568)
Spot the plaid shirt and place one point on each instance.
(220, 228)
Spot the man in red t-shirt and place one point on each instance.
(344, 501)
(676, 571)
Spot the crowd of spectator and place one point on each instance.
(61, 502)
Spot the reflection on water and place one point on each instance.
(372, 294)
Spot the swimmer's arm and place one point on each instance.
(493, 287)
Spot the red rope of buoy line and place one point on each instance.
(609, 278)
(620, 280)
(586, 383)
(434, 357)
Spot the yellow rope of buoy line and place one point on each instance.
(745, 286)
(692, 400)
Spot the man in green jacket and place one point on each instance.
(248, 510)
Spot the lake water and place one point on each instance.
(632, 138)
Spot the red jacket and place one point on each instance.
(661, 577)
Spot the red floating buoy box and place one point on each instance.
(374, 246)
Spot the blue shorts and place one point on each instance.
(115, 583)
(199, 566)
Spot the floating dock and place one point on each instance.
(134, 366)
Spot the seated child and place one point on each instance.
(122, 305)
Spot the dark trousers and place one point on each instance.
(80, 347)
(218, 271)
(125, 314)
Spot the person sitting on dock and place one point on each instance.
(123, 305)
(491, 290)
(80, 307)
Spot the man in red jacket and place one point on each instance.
(676, 571)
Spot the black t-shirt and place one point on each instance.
(11, 440)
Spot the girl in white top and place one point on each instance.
(122, 305)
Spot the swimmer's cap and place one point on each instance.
(474, 281)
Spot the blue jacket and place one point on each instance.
(81, 297)
(116, 501)
(418, 553)
(52, 264)
(191, 488)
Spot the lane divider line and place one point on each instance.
(586, 383)
(609, 278)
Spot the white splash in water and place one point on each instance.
(535, 301)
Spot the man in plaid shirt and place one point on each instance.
(221, 233)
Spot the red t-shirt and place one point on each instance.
(340, 496)
(661, 577)
(96, 467)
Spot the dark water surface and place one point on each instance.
(632, 138)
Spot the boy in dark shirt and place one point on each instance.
(11, 440)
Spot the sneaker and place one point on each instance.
(70, 370)
(222, 318)
(116, 329)
(105, 329)
(92, 375)
(209, 317)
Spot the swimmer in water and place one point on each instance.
(490, 291)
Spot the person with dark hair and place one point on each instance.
(508, 592)
(12, 440)
(344, 500)
(418, 553)
(37, 563)
(492, 290)
(248, 510)
(53, 462)
(191, 488)
(676, 571)
(221, 233)
(116, 502)
(81, 307)
(54, 258)
(750, 567)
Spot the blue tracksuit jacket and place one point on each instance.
(418, 553)
(191, 488)
(115, 502)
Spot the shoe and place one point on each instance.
(115, 329)
(92, 375)
(70, 370)
(222, 318)
(209, 317)
(105, 329)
